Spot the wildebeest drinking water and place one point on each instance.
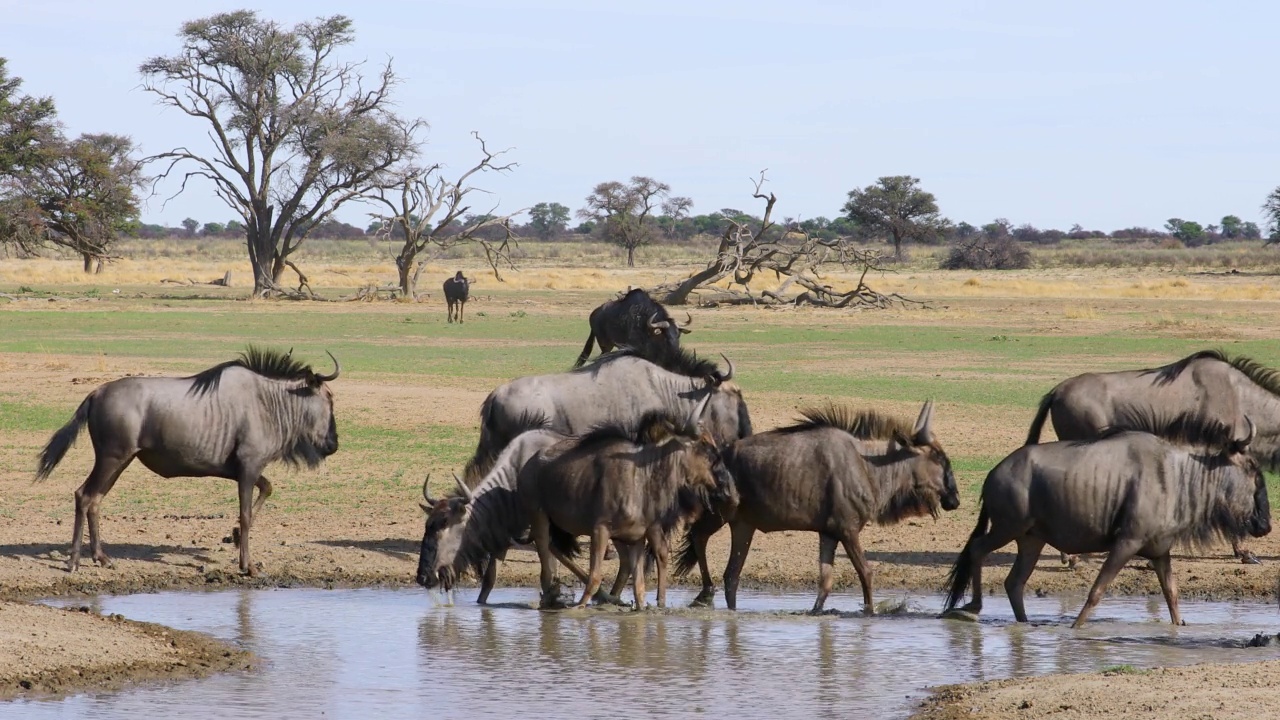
(612, 485)
(634, 320)
(229, 421)
(831, 473)
(1129, 494)
(1218, 388)
(474, 528)
(456, 291)
(618, 389)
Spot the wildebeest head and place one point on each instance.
(933, 481)
(446, 521)
(704, 466)
(1258, 522)
(318, 429)
(662, 325)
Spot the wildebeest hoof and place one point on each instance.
(103, 561)
(1261, 640)
(603, 598)
(960, 614)
(704, 599)
(610, 553)
(1248, 558)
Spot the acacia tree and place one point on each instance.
(427, 210)
(676, 209)
(294, 132)
(624, 212)
(1271, 212)
(548, 219)
(28, 129)
(896, 206)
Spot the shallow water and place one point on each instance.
(403, 653)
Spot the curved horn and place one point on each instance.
(425, 495)
(696, 416)
(684, 329)
(727, 376)
(1253, 431)
(336, 369)
(466, 491)
(657, 324)
(688, 319)
(924, 424)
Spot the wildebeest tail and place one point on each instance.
(1037, 424)
(63, 439)
(962, 572)
(586, 350)
(686, 557)
(565, 542)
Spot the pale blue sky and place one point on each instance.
(1107, 114)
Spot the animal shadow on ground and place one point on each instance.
(118, 551)
(399, 548)
(932, 559)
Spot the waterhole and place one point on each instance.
(406, 653)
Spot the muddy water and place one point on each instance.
(402, 653)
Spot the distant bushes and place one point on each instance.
(987, 253)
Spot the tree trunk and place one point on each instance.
(897, 246)
(262, 251)
(631, 256)
(88, 262)
(408, 278)
(680, 295)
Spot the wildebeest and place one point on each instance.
(1210, 384)
(229, 421)
(831, 473)
(473, 528)
(634, 320)
(1128, 493)
(456, 291)
(612, 485)
(617, 388)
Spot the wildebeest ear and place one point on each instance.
(924, 425)
(905, 442)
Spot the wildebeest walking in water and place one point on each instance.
(1128, 494)
(456, 291)
(229, 421)
(831, 473)
(634, 320)
(1216, 387)
(612, 485)
(473, 528)
(617, 389)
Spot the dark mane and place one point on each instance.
(1264, 377)
(265, 362)
(862, 424)
(653, 427)
(1186, 429)
(676, 360)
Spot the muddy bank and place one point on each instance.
(1223, 692)
(52, 652)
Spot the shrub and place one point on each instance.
(986, 253)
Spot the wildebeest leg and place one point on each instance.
(634, 554)
(1168, 585)
(106, 470)
(1121, 553)
(742, 536)
(987, 544)
(1016, 581)
(1246, 556)
(462, 304)
(599, 541)
(658, 543)
(264, 492)
(245, 485)
(826, 558)
(450, 304)
(540, 534)
(489, 578)
(853, 548)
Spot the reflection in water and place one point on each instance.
(398, 653)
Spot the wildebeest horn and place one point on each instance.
(1241, 445)
(696, 416)
(924, 424)
(728, 375)
(684, 329)
(425, 495)
(336, 369)
(466, 491)
(658, 324)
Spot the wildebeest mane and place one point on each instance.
(672, 359)
(862, 424)
(653, 427)
(1188, 429)
(1264, 377)
(266, 362)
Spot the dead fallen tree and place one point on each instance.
(747, 252)
(224, 281)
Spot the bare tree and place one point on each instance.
(429, 211)
(294, 132)
(676, 209)
(624, 213)
(749, 249)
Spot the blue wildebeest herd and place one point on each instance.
(648, 442)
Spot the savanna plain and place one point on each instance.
(984, 347)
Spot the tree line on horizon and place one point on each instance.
(292, 134)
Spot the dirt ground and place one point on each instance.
(175, 534)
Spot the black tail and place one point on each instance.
(63, 439)
(962, 572)
(566, 543)
(486, 450)
(586, 351)
(1037, 425)
(686, 556)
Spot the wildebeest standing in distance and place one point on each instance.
(1210, 384)
(831, 473)
(612, 485)
(1128, 494)
(456, 291)
(229, 421)
(634, 320)
(473, 528)
(617, 388)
